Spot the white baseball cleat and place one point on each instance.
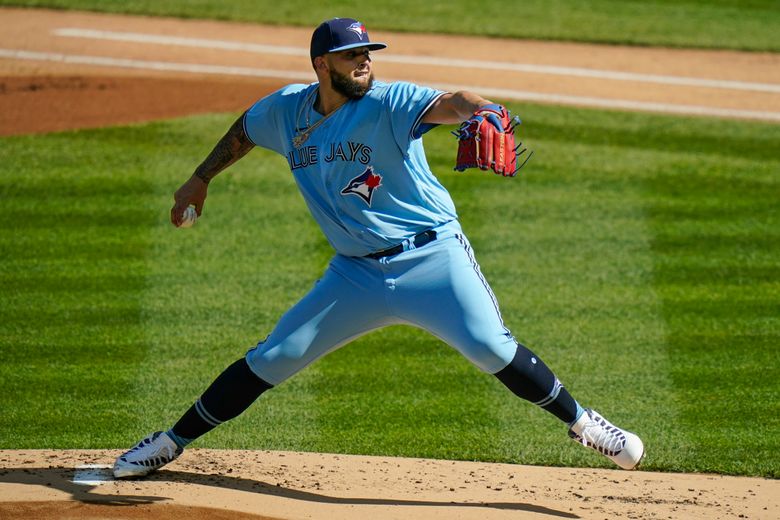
(152, 453)
(620, 446)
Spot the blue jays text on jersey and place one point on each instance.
(310, 155)
(362, 171)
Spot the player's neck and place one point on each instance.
(328, 100)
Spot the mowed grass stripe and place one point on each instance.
(717, 249)
(709, 191)
(73, 250)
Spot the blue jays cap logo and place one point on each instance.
(364, 185)
(340, 34)
(359, 29)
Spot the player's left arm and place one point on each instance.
(454, 108)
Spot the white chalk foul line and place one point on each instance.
(517, 95)
(161, 39)
(167, 66)
(422, 60)
(92, 474)
(645, 106)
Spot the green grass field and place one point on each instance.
(729, 24)
(637, 254)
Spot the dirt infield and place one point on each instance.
(67, 70)
(61, 70)
(285, 485)
(34, 104)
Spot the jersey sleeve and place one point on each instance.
(407, 104)
(265, 123)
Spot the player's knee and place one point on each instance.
(489, 356)
(277, 363)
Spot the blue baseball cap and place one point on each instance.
(340, 34)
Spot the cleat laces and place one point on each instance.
(599, 434)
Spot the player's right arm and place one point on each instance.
(233, 146)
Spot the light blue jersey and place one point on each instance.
(362, 171)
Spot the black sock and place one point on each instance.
(232, 392)
(529, 378)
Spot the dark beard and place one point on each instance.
(348, 87)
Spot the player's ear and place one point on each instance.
(320, 64)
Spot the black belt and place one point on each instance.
(418, 240)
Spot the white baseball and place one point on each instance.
(189, 217)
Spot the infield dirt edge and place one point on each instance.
(295, 485)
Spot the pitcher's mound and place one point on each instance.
(274, 485)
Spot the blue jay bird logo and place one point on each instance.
(364, 185)
(358, 28)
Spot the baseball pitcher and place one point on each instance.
(354, 147)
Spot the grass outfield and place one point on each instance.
(726, 24)
(637, 255)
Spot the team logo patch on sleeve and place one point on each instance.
(364, 185)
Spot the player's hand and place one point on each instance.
(192, 192)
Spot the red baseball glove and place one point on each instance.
(487, 141)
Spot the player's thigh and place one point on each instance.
(448, 295)
(341, 306)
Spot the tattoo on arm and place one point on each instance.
(233, 146)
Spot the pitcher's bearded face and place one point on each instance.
(351, 88)
(350, 72)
